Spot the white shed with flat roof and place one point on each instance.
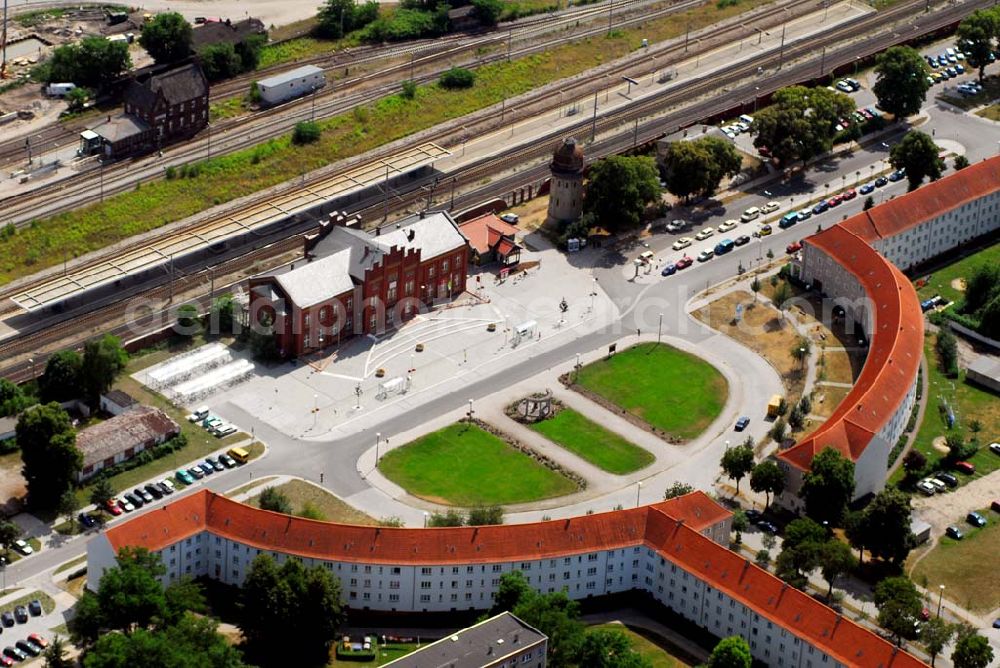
(289, 85)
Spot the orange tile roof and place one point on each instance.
(895, 347)
(670, 527)
(483, 232)
(927, 202)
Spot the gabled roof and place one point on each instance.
(485, 231)
(138, 426)
(225, 32)
(180, 84)
(927, 202)
(895, 348)
(671, 528)
(318, 280)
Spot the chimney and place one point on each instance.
(410, 235)
(378, 231)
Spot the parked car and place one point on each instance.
(788, 220)
(769, 207)
(684, 262)
(881, 181)
(678, 225)
(126, 505)
(975, 519)
(196, 472)
(820, 207)
(15, 653)
(199, 414)
(511, 218)
(793, 247)
(229, 462)
(764, 230)
(867, 188)
(206, 468)
(767, 527)
(966, 467)
(833, 201)
(184, 477)
(225, 430)
(6, 660)
(112, 507)
(143, 494)
(995, 506)
(21, 614)
(741, 240)
(926, 488)
(844, 86)
(154, 491)
(995, 448)
(167, 485)
(742, 423)
(947, 478)
(22, 546)
(753, 515)
(88, 521)
(953, 532)
(938, 485)
(898, 175)
(7, 618)
(215, 463)
(133, 499)
(669, 269)
(35, 607)
(28, 648)
(38, 640)
(704, 234)
(682, 243)
(850, 193)
(211, 422)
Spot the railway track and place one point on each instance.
(800, 65)
(241, 132)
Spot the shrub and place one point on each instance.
(409, 90)
(947, 353)
(306, 132)
(457, 78)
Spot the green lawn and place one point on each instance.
(657, 656)
(589, 440)
(387, 653)
(464, 465)
(969, 568)
(970, 402)
(942, 278)
(670, 390)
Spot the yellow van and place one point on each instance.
(239, 454)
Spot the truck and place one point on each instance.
(774, 405)
(59, 89)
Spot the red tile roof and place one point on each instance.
(670, 527)
(927, 202)
(895, 347)
(484, 232)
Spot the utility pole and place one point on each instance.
(611, 11)
(593, 122)
(312, 113)
(385, 210)
(510, 40)
(3, 43)
(822, 61)
(453, 179)
(635, 134)
(102, 178)
(209, 126)
(781, 53)
(27, 145)
(170, 282)
(687, 37)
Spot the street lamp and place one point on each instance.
(470, 410)
(659, 328)
(727, 445)
(378, 437)
(802, 357)
(638, 488)
(425, 519)
(315, 409)
(940, 596)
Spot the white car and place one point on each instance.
(677, 225)
(926, 488)
(23, 547)
(769, 207)
(682, 243)
(511, 218)
(704, 234)
(728, 225)
(845, 87)
(168, 483)
(937, 484)
(995, 448)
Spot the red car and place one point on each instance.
(38, 640)
(112, 507)
(966, 467)
(833, 201)
(850, 193)
(684, 262)
(6, 660)
(794, 247)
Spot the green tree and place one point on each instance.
(972, 651)
(960, 162)
(946, 348)
(737, 462)
(513, 589)
(828, 486)
(989, 320)
(457, 78)
(9, 532)
(609, 648)
(291, 601)
(899, 605)
(49, 454)
(101, 493)
(221, 319)
(55, 654)
(697, 167)
(619, 188)
(487, 11)
(220, 61)
(557, 617)
(449, 518)
(782, 295)
(886, 526)
(187, 319)
(306, 132)
(917, 153)
(935, 633)
(975, 33)
(93, 62)
(799, 124)
(731, 652)
(249, 49)
(767, 477)
(167, 38)
(677, 489)
(914, 462)
(483, 515)
(61, 379)
(272, 498)
(336, 18)
(194, 642)
(869, 203)
(740, 524)
(87, 622)
(778, 429)
(103, 360)
(982, 285)
(12, 398)
(68, 504)
(901, 87)
(77, 98)
(835, 559)
(130, 595)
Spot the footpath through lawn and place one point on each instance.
(603, 448)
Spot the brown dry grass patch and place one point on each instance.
(826, 399)
(837, 366)
(300, 493)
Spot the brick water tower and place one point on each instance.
(566, 191)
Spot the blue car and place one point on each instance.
(867, 188)
(742, 423)
(898, 175)
(87, 521)
(669, 270)
(821, 207)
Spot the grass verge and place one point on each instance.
(465, 465)
(968, 568)
(603, 448)
(671, 390)
(47, 242)
(48, 605)
(15, 556)
(655, 654)
(250, 485)
(329, 508)
(73, 563)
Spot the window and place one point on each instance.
(425, 584)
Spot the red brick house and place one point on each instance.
(173, 104)
(358, 282)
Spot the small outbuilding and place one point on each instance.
(985, 371)
(117, 402)
(492, 240)
(122, 437)
(8, 428)
(290, 85)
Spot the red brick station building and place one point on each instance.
(359, 282)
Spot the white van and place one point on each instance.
(750, 214)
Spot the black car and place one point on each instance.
(214, 463)
(741, 240)
(134, 500)
(88, 521)
(767, 527)
(15, 653)
(7, 618)
(27, 648)
(898, 175)
(753, 516)
(143, 494)
(21, 614)
(164, 489)
(947, 478)
(227, 461)
(154, 491)
(206, 468)
(35, 607)
(881, 181)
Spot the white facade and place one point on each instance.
(294, 83)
